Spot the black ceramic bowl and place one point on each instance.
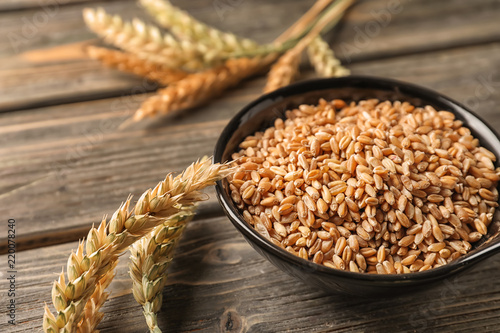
(261, 113)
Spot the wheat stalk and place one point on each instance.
(148, 42)
(286, 68)
(104, 244)
(199, 87)
(185, 26)
(149, 260)
(131, 63)
(298, 27)
(323, 59)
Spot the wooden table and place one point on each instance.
(64, 164)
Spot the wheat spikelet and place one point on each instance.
(91, 316)
(283, 71)
(199, 87)
(148, 42)
(149, 260)
(184, 25)
(131, 63)
(104, 244)
(323, 59)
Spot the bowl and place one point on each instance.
(261, 113)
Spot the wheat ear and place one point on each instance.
(148, 42)
(149, 260)
(283, 71)
(131, 63)
(226, 44)
(185, 26)
(323, 59)
(104, 244)
(199, 87)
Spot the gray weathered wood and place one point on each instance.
(374, 29)
(218, 283)
(12, 5)
(64, 164)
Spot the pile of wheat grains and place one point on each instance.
(375, 187)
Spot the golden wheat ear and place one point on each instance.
(148, 42)
(184, 26)
(96, 257)
(284, 71)
(199, 87)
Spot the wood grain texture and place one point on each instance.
(218, 283)
(374, 28)
(13, 5)
(73, 166)
(64, 164)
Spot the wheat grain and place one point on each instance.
(148, 42)
(185, 26)
(386, 180)
(149, 260)
(105, 243)
(199, 87)
(323, 59)
(131, 63)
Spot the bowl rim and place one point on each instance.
(303, 87)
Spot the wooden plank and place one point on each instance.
(63, 168)
(60, 75)
(389, 28)
(218, 283)
(47, 6)
(49, 68)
